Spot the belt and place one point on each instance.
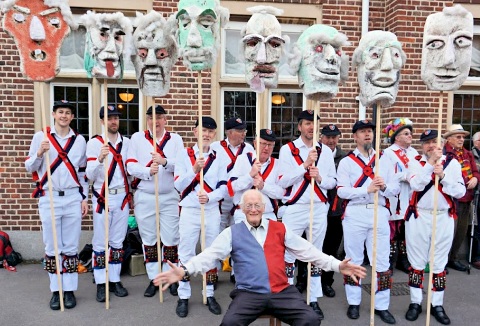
(368, 206)
(116, 191)
(61, 193)
(430, 211)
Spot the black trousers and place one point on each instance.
(288, 305)
(333, 239)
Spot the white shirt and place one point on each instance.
(297, 246)
(349, 172)
(452, 183)
(292, 174)
(61, 177)
(215, 177)
(96, 170)
(222, 155)
(139, 155)
(244, 181)
(401, 170)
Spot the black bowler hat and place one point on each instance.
(362, 124)
(112, 110)
(235, 123)
(331, 130)
(63, 104)
(207, 122)
(306, 115)
(428, 134)
(158, 110)
(268, 135)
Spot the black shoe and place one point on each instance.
(328, 291)
(414, 309)
(385, 316)
(69, 299)
(182, 308)
(232, 278)
(456, 265)
(118, 289)
(353, 311)
(317, 310)
(301, 287)
(151, 290)
(213, 306)
(55, 301)
(101, 292)
(439, 313)
(173, 288)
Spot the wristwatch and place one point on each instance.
(186, 276)
(164, 165)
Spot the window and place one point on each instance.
(122, 98)
(79, 95)
(466, 111)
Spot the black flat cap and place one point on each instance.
(268, 135)
(158, 110)
(235, 123)
(306, 115)
(207, 122)
(331, 130)
(63, 104)
(362, 124)
(428, 134)
(112, 110)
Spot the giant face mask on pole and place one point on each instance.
(199, 23)
(38, 27)
(447, 48)
(379, 58)
(318, 60)
(155, 53)
(105, 42)
(263, 47)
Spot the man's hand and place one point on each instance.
(256, 168)
(376, 185)
(199, 164)
(175, 274)
(104, 150)
(438, 170)
(356, 272)
(157, 158)
(258, 182)
(435, 156)
(44, 147)
(315, 173)
(84, 208)
(472, 183)
(311, 159)
(153, 168)
(202, 197)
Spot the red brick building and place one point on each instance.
(225, 92)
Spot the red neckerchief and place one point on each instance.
(233, 157)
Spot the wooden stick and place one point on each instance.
(259, 107)
(312, 193)
(50, 194)
(375, 219)
(434, 216)
(157, 204)
(202, 206)
(105, 165)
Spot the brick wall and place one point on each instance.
(405, 18)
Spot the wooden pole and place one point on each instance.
(50, 194)
(105, 165)
(157, 204)
(259, 107)
(434, 216)
(312, 194)
(375, 219)
(202, 206)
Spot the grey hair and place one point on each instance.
(476, 136)
(250, 191)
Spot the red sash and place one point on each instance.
(233, 157)
(196, 180)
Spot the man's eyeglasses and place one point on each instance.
(249, 207)
(262, 144)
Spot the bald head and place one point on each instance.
(253, 206)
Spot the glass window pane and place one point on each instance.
(466, 111)
(475, 67)
(72, 93)
(122, 98)
(241, 104)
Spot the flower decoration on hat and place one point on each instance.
(394, 125)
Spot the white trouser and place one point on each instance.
(145, 216)
(358, 233)
(117, 229)
(190, 226)
(68, 221)
(297, 219)
(418, 234)
(226, 219)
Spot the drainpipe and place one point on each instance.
(365, 13)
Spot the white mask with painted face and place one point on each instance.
(262, 47)
(379, 58)
(318, 60)
(447, 48)
(155, 53)
(107, 35)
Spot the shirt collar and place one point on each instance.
(54, 131)
(263, 224)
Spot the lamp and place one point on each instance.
(278, 99)
(126, 97)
